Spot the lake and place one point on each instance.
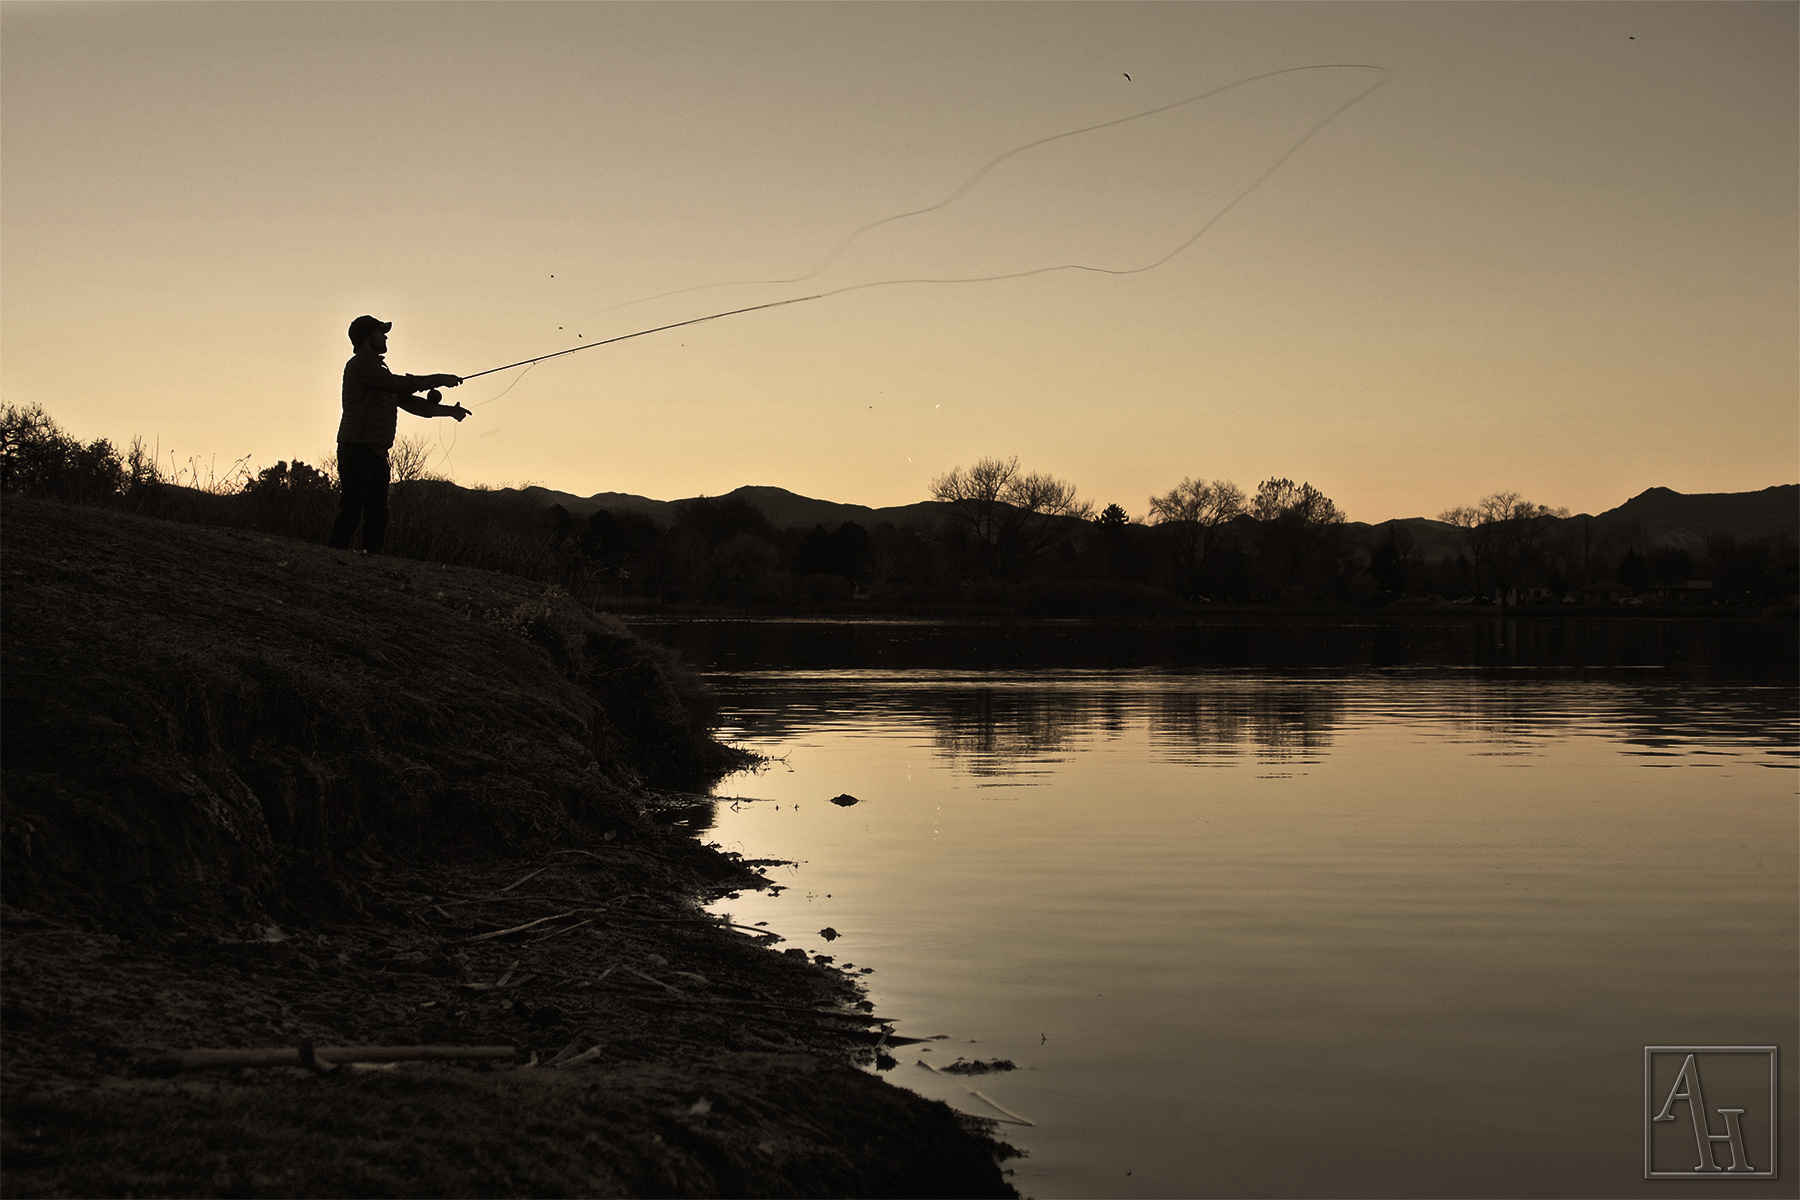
(1276, 930)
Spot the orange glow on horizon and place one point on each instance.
(1556, 253)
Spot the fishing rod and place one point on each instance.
(640, 333)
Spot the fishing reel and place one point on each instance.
(437, 397)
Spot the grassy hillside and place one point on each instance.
(255, 791)
(198, 716)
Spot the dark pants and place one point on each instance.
(363, 484)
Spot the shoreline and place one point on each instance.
(719, 1066)
(1749, 647)
(258, 791)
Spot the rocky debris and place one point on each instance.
(959, 1067)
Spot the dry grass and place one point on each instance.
(204, 716)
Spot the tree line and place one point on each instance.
(1005, 537)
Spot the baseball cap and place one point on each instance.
(364, 325)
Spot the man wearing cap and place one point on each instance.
(372, 397)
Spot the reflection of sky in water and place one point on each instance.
(1317, 934)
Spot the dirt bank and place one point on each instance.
(257, 791)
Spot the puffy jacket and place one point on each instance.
(373, 395)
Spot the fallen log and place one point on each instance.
(177, 1061)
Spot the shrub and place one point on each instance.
(292, 499)
(39, 459)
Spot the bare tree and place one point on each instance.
(1505, 532)
(1480, 536)
(975, 505)
(1300, 532)
(1195, 514)
(887, 558)
(1009, 518)
(1279, 498)
(410, 459)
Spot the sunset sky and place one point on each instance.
(1555, 252)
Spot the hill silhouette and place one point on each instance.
(784, 509)
(1669, 517)
(1663, 515)
(196, 717)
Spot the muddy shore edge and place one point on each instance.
(254, 791)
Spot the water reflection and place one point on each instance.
(991, 733)
(1230, 923)
(1011, 723)
(1008, 731)
(1281, 725)
(1006, 723)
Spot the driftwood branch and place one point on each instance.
(482, 937)
(321, 1057)
(1011, 1117)
(515, 883)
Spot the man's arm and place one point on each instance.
(373, 374)
(428, 406)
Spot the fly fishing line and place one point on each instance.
(987, 168)
(965, 188)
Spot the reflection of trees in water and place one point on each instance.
(1014, 731)
(779, 714)
(1761, 717)
(1669, 715)
(1223, 720)
(996, 731)
(1491, 712)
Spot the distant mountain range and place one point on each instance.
(1657, 517)
(1666, 512)
(1662, 516)
(784, 509)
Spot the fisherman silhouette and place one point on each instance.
(372, 397)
